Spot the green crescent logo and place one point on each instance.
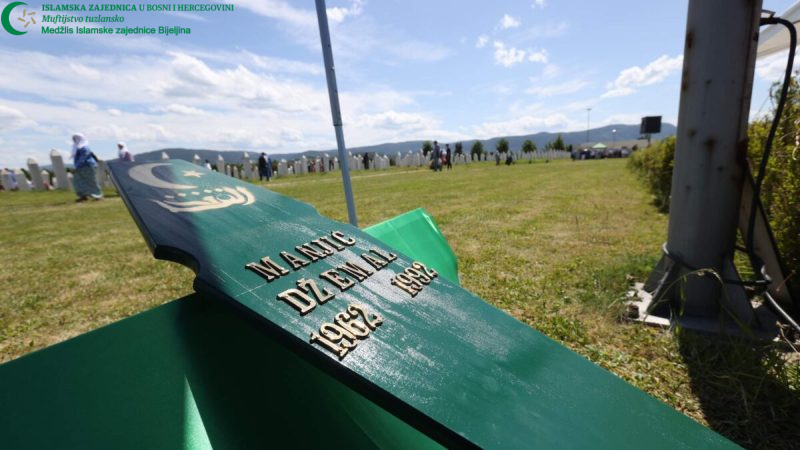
(7, 22)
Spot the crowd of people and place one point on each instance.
(441, 158)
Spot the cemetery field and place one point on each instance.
(557, 245)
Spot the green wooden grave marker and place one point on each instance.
(431, 353)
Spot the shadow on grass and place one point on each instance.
(748, 391)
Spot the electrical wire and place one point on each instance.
(762, 170)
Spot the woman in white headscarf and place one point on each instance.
(84, 180)
(124, 154)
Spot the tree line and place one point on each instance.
(502, 146)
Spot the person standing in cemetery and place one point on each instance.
(207, 165)
(85, 163)
(124, 154)
(366, 161)
(448, 155)
(437, 157)
(264, 167)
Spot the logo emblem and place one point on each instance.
(6, 21)
(187, 197)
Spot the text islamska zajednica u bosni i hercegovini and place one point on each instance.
(142, 7)
(64, 19)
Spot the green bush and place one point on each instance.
(780, 192)
(654, 167)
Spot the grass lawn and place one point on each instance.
(557, 245)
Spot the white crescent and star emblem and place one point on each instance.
(216, 198)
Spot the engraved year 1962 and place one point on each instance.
(343, 334)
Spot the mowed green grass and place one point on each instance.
(557, 245)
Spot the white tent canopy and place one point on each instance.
(775, 38)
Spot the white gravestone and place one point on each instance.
(22, 181)
(36, 174)
(101, 174)
(247, 167)
(60, 172)
(8, 185)
(283, 170)
(220, 164)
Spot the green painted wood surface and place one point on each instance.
(190, 374)
(445, 361)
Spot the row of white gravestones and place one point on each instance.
(381, 162)
(40, 179)
(411, 159)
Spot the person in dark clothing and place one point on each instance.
(437, 157)
(448, 157)
(264, 167)
(366, 161)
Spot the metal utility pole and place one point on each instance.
(336, 112)
(718, 66)
(588, 115)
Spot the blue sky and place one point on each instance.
(252, 79)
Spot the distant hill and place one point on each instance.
(575, 138)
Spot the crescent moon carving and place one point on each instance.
(7, 22)
(144, 174)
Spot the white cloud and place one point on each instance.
(482, 41)
(507, 56)
(176, 108)
(523, 125)
(12, 119)
(338, 14)
(538, 4)
(633, 77)
(178, 99)
(511, 56)
(773, 67)
(567, 87)
(508, 22)
(85, 106)
(396, 120)
(539, 57)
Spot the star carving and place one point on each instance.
(192, 173)
(31, 19)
